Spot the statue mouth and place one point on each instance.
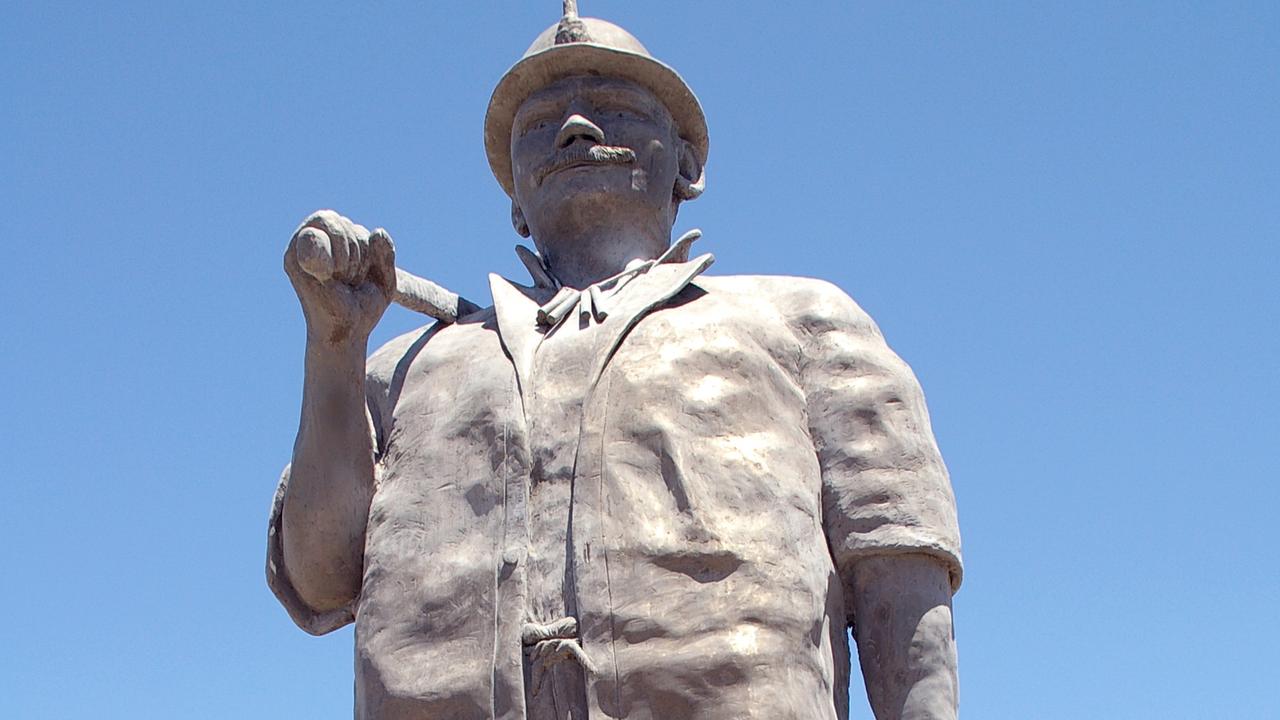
(577, 155)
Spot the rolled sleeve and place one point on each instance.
(885, 487)
(381, 374)
(316, 623)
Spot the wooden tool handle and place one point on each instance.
(421, 295)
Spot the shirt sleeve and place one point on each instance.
(379, 403)
(316, 623)
(885, 488)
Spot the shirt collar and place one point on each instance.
(615, 306)
(594, 302)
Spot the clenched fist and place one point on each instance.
(344, 275)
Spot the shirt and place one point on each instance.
(688, 479)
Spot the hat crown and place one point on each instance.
(585, 46)
(589, 30)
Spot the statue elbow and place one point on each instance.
(325, 575)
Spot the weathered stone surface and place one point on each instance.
(629, 489)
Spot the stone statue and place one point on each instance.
(628, 489)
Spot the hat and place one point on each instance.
(585, 46)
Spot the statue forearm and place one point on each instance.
(331, 482)
(906, 644)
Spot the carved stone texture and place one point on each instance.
(628, 490)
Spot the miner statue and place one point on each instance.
(627, 489)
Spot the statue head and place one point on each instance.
(588, 121)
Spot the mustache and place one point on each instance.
(577, 154)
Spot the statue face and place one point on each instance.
(591, 144)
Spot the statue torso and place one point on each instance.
(654, 478)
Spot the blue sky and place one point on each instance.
(1064, 217)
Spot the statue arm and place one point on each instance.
(379, 379)
(323, 504)
(326, 505)
(906, 644)
(888, 509)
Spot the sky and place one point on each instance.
(1064, 216)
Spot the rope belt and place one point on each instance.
(549, 643)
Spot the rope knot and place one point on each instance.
(549, 643)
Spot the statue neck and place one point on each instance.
(589, 254)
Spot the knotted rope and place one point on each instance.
(549, 643)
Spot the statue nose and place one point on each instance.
(577, 126)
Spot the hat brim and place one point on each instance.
(542, 68)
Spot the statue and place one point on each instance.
(628, 489)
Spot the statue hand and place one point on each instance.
(344, 276)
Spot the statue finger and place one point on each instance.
(351, 272)
(342, 234)
(327, 220)
(311, 251)
(359, 235)
(341, 249)
(382, 262)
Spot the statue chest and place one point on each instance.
(635, 481)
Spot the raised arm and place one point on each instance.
(327, 495)
(888, 509)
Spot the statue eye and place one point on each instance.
(535, 126)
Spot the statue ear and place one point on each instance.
(692, 178)
(518, 221)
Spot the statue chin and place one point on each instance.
(572, 185)
(598, 217)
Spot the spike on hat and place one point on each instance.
(571, 28)
(585, 46)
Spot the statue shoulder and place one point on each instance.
(808, 304)
(398, 353)
(381, 365)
